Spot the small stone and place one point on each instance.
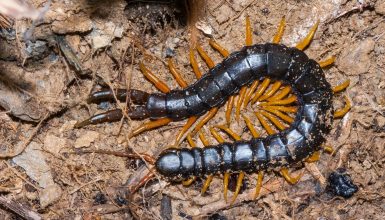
(355, 60)
(32, 160)
(380, 7)
(86, 139)
(49, 195)
(54, 144)
(73, 24)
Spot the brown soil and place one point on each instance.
(43, 93)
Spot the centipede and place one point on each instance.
(293, 98)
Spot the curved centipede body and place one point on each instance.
(238, 75)
(294, 144)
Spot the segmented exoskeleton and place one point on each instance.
(238, 75)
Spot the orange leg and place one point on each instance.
(203, 139)
(341, 113)
(194, 64)
(341, 86)
(259, 184)
(150, 125)
(281, 94)
(179, 79)
(207, 184)
(314, 158)
(281, 28)
(153, 79)
(238, 187)
(281, 115)
(274, 120)
(241, 97)
(251, 127)
(205, 119)
(230, 132)
(286, 101)
(250, 92)
(189, 181)
(219, 48)
(226, 178)
(261, 89)
(264, 123)
(229, 108)
(216, 135)
(271, 91)
(290, 109)
(292, 180)
(329, 149)
(209, 177)
(190, 141)
(205, 57)
(249, 32)
(329, 61)
(306, 41)
(185, 128)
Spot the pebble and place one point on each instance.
(355, 59)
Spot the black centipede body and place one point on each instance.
(275, 61)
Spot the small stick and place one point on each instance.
(18, 209)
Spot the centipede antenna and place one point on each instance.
(281, 115)
(176, 74)
(314, 157)
(143, 181)
(309, 37)
(238, 186)
(205, 119)
(226, 177)
(259, 184)
(250, 92)
(341, 112)
(292, 180)
(205, 56)
(281, 94)
(274, 88)
(185, 128)
(261, 89)
(281, 28)
(274, 120)
(341, 86)
(241, 97)
(249, 32)
(160, 85)
(150, 125)
(219, 48)
(286, 101)
(194, 64)
(229, 109)
(329, 61)
(264, 123)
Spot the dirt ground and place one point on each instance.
(82, 46)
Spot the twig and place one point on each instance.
(18, 209)
(27, 142)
